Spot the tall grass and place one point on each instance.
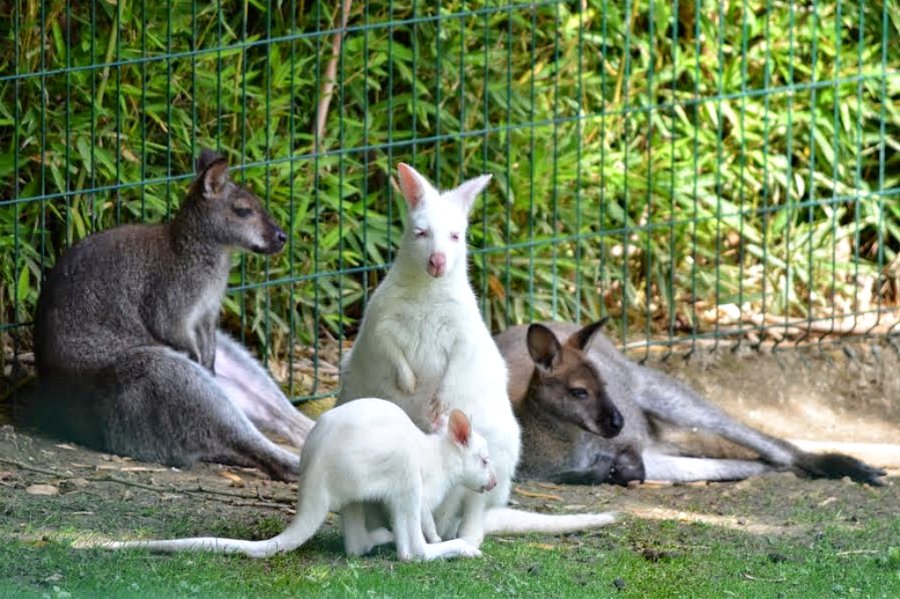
(683, 166)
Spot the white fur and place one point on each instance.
(368, 451)
(423, 344)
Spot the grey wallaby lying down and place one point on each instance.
(369, 450)
(128, 355)
(589, 415)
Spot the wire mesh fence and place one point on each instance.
(706, 173)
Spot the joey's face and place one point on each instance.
(478, 471)
(437, 233)
(233, 215)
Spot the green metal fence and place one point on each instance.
(706, 173)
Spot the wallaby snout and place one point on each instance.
(275, 238)
(437, 264)
(490, 485)
(611, 420)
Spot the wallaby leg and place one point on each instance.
(251, 389)
(428, 526)
(405, 520)
(471, 527)
(162, 406)
(446, 516)
(676, 403)
(357, 539)
(660, 466)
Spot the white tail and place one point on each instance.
(308, 520)
(499, 521)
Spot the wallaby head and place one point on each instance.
(567, 385)
(226, 213)
(472, 451)
(436, 225)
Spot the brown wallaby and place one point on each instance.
(565, 382)
(128, 355)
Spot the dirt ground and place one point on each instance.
(845, 397)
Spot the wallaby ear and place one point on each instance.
(459, 427)
(412, 185)
(468, 191)
(206, 158)
(213, 170)
(581, 339)
(542, 345)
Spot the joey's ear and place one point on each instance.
(468, 192)
(542, 345)
(213, 170)
(581, 339)
(412, 185)
(459, 427)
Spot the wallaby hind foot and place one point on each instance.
(838, 465)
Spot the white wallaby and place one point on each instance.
(369, 450)
(423, 344)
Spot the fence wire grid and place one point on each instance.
(705, 173)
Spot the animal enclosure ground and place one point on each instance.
(775, 535)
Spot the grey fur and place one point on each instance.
(563, 450)
(126, 342)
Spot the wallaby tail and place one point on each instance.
(499, 521)
(296, 534)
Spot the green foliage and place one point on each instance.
(650, 160)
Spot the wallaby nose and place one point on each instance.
(437, 263)
(613, 423)
(277, 240)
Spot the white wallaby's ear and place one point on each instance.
(469, 190)
(412, 185)
(459, 428)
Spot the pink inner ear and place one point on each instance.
(459, 427)
(410, 185)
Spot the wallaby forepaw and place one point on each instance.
(839, 465)
(406, 379)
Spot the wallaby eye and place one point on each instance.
(421, 233)
(484, 461)
(242, 212)
(578, 393)
(454, 236)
